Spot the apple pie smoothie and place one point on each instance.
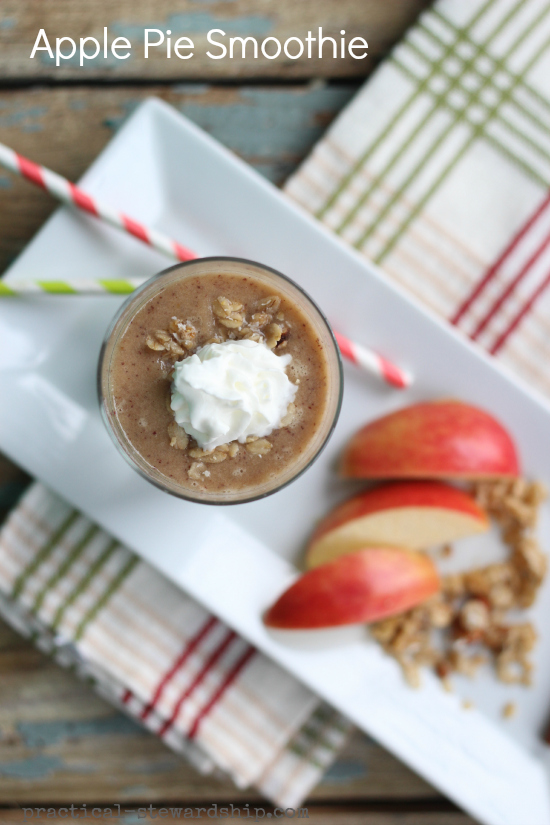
(220, 380)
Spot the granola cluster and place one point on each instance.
(467, 623)
(179, 340)
(265, 324)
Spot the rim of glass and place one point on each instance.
(188, 496)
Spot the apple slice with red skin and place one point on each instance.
(437, 439)
(359, 587)
(416, 514)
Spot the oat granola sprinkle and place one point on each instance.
(271, 304)
(196, 471)
(159, 340)
(467, 623)
(162, 341)
(273, 335)
(260, 446)
(228, 312)
(184, 332)
(178, 437)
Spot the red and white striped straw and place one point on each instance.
(68, 193)
(65, 191)
(372, 362)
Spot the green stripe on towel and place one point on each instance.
(64, 568)
(84, 583)
(108, 594)
(44, 553)
(427, 157)
(400, 114)
(477, 132)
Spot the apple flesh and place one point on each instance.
(414, 514)
(441, 439)
(359, 587)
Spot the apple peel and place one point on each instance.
(437, 439)
(360, 587)
(414, 514)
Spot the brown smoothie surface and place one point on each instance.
(173, 324)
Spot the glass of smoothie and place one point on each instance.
(220, 380)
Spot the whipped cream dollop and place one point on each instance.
(229, 391)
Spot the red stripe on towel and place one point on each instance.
(190, 646)
(229, 679)
(201, 675)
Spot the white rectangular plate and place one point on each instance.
(165, 172)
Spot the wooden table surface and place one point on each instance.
(59, 742)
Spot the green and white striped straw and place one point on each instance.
(71, 286)
(363, 357)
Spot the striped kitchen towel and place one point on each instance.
(156, 653)
(439, 171)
